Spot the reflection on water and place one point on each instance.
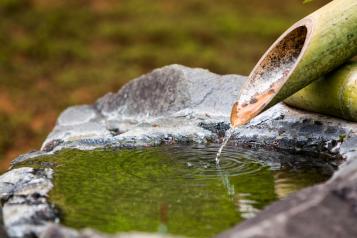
(174, 189)
(245, 205)
(226, 182)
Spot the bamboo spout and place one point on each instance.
(309, 49)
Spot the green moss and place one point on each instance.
(178, 188)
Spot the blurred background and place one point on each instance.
(57, 53)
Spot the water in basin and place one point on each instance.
(175, 189)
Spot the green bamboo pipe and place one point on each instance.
(309, 49)
(334, 94)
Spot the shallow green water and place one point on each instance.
(173, 189)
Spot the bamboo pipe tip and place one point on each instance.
(270, 73)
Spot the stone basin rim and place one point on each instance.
(95, 126)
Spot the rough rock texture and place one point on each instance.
(283, 127)
(169, 90)
(166, 104)
(23, 193)
(176, 104)
(2, 228)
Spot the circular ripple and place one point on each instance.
(232, 161)
(189, 162)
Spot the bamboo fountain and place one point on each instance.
(308, 50)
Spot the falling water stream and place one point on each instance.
(227, 136)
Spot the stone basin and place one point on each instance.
(181, 105)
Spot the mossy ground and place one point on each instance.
(56, 53)
(174, 188)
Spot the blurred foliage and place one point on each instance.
(5, 138)
(56, 53)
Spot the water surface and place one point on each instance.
(174, 189)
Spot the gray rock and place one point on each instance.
(78, 115)
(282, 127)
(150, 109)
(171, 89)
(23, 193)
(2, 228)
